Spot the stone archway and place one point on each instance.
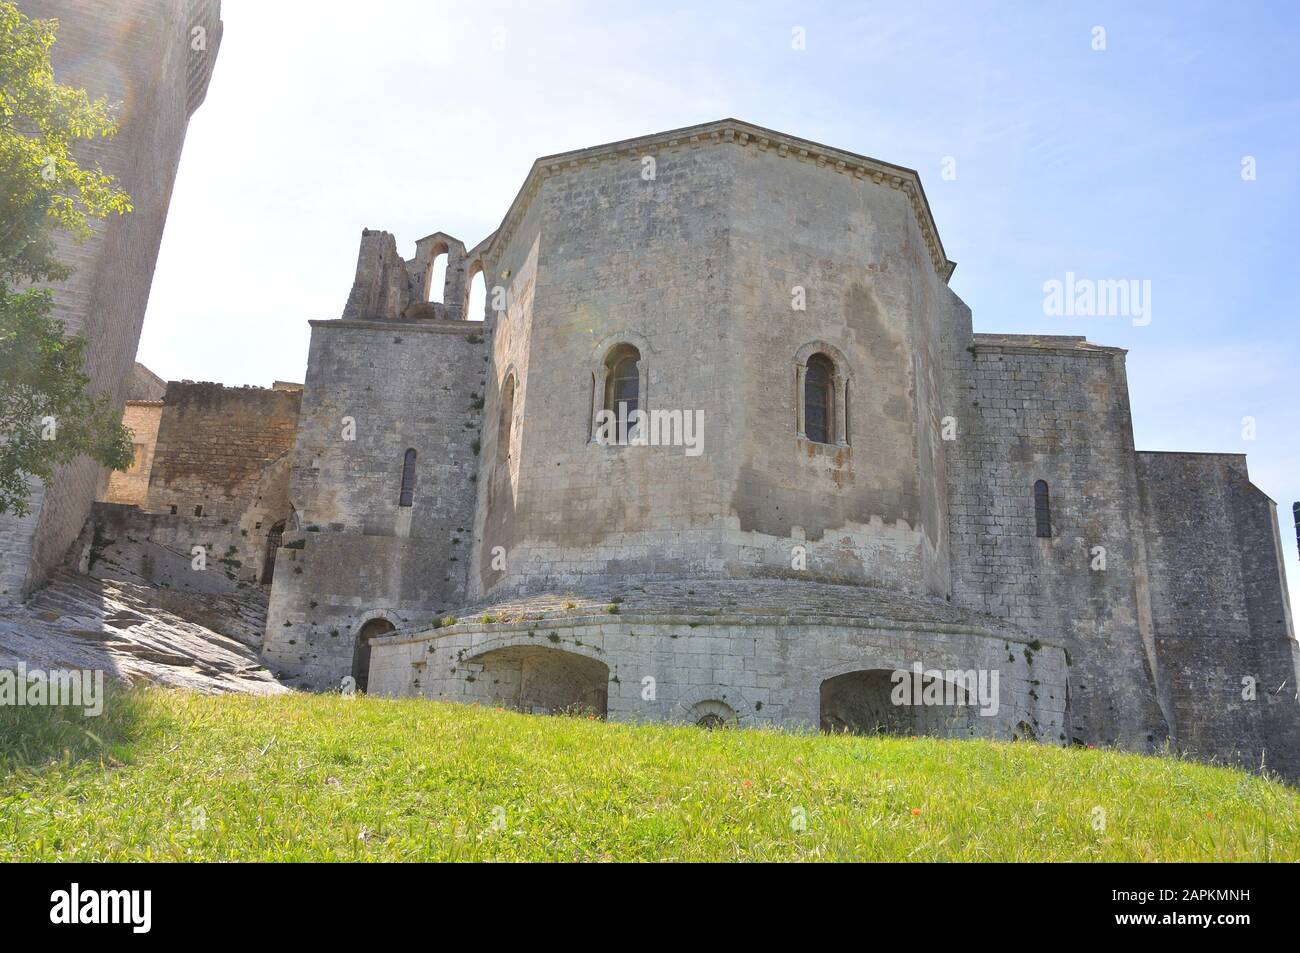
(863, 702)
(545, 681)
(361, 653)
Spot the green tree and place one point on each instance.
(47, 416)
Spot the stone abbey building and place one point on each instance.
(818, 476)
(832, 479)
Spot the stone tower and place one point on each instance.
(155, 58)
(382, 480)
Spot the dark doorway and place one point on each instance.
(361, 655)
(273, 541)
(864, 703)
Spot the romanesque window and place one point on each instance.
(819, 399)
(1042, 509)
(623, 385)
(408, 479)
(822, 382)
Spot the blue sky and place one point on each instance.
(1123, 163)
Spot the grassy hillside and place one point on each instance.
(175, 776)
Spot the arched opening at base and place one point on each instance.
(713, 714)
(545, 681)
(886, 702)
(361, 654)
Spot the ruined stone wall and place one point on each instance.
(1220, 610)
(214, 443)
(228, 559)
(1055, 409)
(373, 390)
(131, 486)
(138, 53)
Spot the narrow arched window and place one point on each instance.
(819, 399)
(408, 479)
(505, 423)
(623, 387)
(1042, 509)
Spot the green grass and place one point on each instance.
(175, 776)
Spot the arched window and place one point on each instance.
(819, 399)
(623, 386)
(821, 394)
(476, 297)
(505, 422)
(408, 479)
(1042, 509)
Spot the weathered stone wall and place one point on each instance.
(214, 444)
(373, 390)
(138, 53)
(873, 511)
(1220, 612)
(131, 486)
(574, 508)
(228, 556)
(1056, 409)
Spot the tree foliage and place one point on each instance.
(47, 417)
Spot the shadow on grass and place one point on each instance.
(36, 737)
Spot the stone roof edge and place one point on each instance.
(742, 133)
(1196, 453)
(1030, 343)
(428, 327)
(230, 387)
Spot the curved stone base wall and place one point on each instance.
(734, 668)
